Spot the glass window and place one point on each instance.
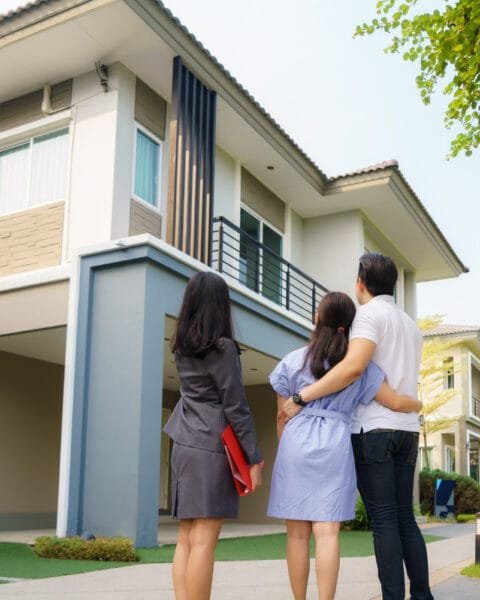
(448, 374)
(147, 166)
(260, 268)
(449, 459)
(34, 172)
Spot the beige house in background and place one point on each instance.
(130, 159)
(457, 447)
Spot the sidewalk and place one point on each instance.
(255, 580)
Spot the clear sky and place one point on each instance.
(348, 105)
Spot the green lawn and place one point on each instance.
(19, 560)
(471, 571)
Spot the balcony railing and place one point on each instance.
(475, 406)
(239, 255)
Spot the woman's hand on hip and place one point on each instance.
(290, 409)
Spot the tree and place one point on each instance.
(446, 44)
(430, 388)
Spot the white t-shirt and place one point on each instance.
(398, 353)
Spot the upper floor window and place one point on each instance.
(260, 268)
(34, 172)
(147, 166)
(448, 374)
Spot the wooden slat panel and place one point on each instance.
(192, 145)
(150, 109)
(28, 108)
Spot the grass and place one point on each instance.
(471, 571)
(19, 560)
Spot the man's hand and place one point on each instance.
(290, 409)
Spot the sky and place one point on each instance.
(349, 105)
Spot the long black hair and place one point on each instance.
(205, 316)
(329, 342)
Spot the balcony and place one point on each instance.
(240, 256)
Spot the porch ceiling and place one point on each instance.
(255, 365)
(43, 344)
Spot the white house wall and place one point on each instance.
(227, 187)
(331, 247)
(95, 129)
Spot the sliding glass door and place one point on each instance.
(260, 252)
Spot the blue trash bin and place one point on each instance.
(445, 498)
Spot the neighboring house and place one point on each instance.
(456, 448)
(129, 160)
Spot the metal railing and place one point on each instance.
(475, 406)
(239, 255)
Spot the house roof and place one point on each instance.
(386, 164)
(27, 15)
(451, 330)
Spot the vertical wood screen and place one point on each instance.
(192, 162)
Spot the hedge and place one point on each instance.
(467, 492)
(360, 522)
(107, 549)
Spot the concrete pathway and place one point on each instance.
(464, 588)
(249, 580)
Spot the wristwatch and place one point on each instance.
(297, 399)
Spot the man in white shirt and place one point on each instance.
(385, 443)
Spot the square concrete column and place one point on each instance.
(117, 403)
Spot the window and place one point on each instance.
(260, 269)
(34, 172)
(449, 459)
(425, 453)
(147, 167)
(448, 374)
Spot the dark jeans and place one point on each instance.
(385, 462)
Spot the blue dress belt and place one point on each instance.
(323, 412)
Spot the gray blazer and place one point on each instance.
(212, 396)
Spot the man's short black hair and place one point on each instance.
(378, 273)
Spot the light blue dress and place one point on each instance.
(314, 472)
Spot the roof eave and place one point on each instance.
(392, 175)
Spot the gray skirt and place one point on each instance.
(202, 484)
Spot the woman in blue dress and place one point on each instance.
(313, 482)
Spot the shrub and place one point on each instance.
(108, 549)
(360, 522)
(467, 492)
(465, 518)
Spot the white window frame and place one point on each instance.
(446, 373)
(470, 435)
(157, 206)
(472, 362)
(20, 136)
(263, 222)
(449, 449)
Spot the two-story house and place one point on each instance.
(130, 158)
(456, 448)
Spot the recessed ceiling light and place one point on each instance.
(270, 167)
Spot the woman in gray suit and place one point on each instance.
(212, 396)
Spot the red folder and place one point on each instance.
(238, 463)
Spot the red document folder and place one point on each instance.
(238, 463)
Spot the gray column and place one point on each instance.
(119, 463)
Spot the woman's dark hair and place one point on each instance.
(205, 316)
(378, 273)
(329, 341)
